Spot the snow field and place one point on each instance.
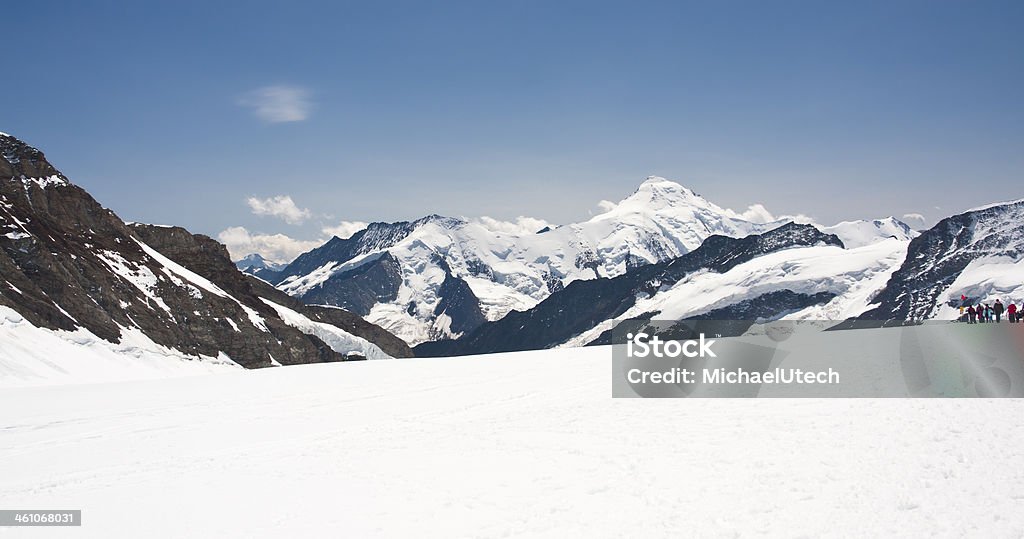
(510, 445)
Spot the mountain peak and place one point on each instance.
(255, 262)
(20, 160)
(657, 183)
(655, 188)
(659, 194)
(440, 220)
(251, 259)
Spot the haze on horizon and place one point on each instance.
(301, 119)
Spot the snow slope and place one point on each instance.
(986, 279)
(854, 275)
(338, 339)
(860, 233)
(511, 445)
(32, 356)
(38, 356)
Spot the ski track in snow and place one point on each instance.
(525, 444)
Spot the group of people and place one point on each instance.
(984, 312)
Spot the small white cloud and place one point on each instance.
(520, 227)
(757, 213)
(344, 229)
(276, 248)
(278, 104)
(282, 207)
(606, 206)
(914, 219)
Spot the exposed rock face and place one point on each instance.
(936, 258)
(337, 317)
(360, 288)
(458, 302)
(582, 305)
(66, 263)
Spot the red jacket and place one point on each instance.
(1012, 308)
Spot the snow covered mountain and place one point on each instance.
(254, 264)
(73, 276)
(585, 309)
(860, 233)
(74, 272)
(440, 277)
(978, 254)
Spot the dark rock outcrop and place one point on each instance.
(66, 263)
(457, 302)
(360, 288)
(338, 317)
(937, 257)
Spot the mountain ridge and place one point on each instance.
(660, 220)
(72, 268)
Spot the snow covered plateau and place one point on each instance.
(525, 444)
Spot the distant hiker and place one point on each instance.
(998, 311)
(972, 315)
(1011, 313)
(963, 313)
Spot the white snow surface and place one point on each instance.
(509, 445)
(37, 356)
(987, 279)
(854, 275)
(338, 339)
(860, 233)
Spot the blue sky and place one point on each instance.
(393, 110)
